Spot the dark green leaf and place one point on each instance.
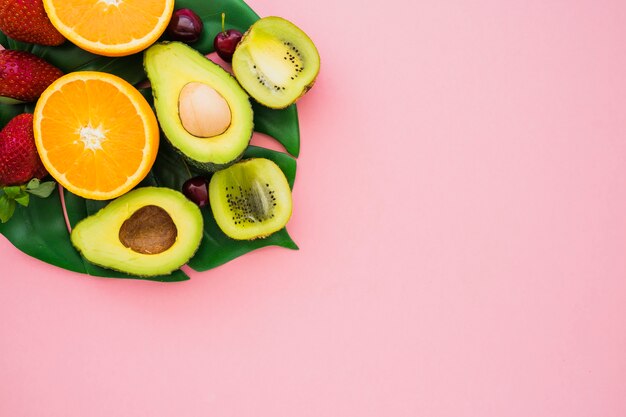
(67, 57)
(282, 125)
(9, 111)
(170, 169)
(40, 231)
(238, 16)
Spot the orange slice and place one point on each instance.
(95, 134)
(110, 27)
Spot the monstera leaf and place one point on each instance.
(40, 230)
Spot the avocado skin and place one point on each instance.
(208, 167)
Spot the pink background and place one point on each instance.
(461, 211)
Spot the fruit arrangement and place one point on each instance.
(118, 103)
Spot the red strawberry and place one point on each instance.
(19, 160)
(27, 21)
(24, 76)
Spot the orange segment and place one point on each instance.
(96, 134)
(110, 27)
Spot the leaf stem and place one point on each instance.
(186, 165)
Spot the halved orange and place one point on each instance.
(95, 134)
(110, 27)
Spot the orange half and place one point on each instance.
(95, 134)
(110, 27)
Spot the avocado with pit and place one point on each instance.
(149, 231)
(201, 108)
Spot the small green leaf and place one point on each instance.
(7, 208)
(12, 192)
(42, 190)
(16, 193)
(23, 199)
(32, 184)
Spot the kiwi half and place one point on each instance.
(250, 199)
(276, 62)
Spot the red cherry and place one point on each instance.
(226, 41)
(197, 190)
(185, 26)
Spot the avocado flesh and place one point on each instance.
(250, 199)
(173, 65)
(276, 62)
(97, 237)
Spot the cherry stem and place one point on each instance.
(223, 28)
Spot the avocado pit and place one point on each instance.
(149, 230)
(203, 111)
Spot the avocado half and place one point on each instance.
(147, 232)
(276, 62)
(201, 108)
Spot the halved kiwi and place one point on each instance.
(276, 62)
(250, 199)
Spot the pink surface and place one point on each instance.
(461, 211)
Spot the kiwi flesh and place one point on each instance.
(276, 62)
(250, 199)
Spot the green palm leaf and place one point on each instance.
(40, 229)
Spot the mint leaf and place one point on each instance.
(43, 189)
(7, 208)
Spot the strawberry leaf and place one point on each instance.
(32, 184)
(17, 193)
(7, 208)
(23, 199)
(13, 191)
(40, 189)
